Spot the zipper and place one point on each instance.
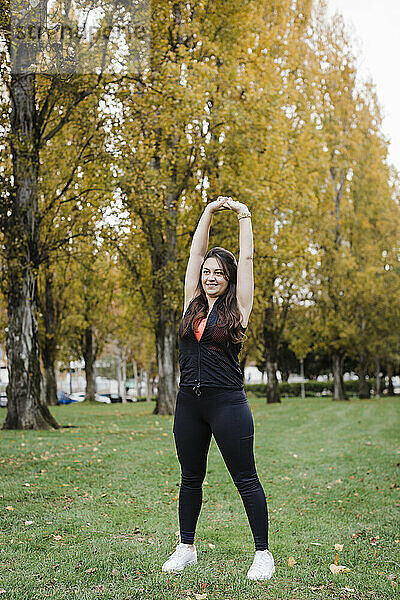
(197, 386)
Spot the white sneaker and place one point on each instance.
(182, 556)
(263, 566)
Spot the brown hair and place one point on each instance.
(228, 310)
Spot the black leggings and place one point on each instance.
(227, 415)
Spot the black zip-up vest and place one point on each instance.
(212, 361)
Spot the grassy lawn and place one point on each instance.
(91, 511)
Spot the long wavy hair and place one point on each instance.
(228, 310)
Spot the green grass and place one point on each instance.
(95, 512)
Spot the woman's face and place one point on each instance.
(213, 279)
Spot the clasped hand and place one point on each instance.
(226, 202)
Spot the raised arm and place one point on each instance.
(198, 249)
(245, 278)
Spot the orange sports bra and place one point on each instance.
(200, 328)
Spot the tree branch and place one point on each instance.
(69, 181)
(132, 268)
(82, 96)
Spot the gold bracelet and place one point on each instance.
(243, 215)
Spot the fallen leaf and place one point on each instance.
(338, 569)
(9, 508)
(200, 596)
(28, 522)
(318, 587)
(291, 561)
(339, 547)
(57, 537)
(211, 545)
(336, 559)
(347, 589)
(91, 570)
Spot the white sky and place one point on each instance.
(375, 28)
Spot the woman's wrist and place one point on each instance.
(241, 208)
(243, 212)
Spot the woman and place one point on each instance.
(211, 397)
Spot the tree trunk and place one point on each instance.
(166, 363)
(149, 384)
(302, 387)
(50, 385)
(273, 328)
(49, 346)
(136, 379)
(119, 375)
(337, 367)
(390, 380)
(123, 377)
(284, 374)
(272, 381)
(25, 410)
(142, 376)
(338, 179)
(89, 355)
(363, 391)
(163, 255)
(70, 377)
(377, 377)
